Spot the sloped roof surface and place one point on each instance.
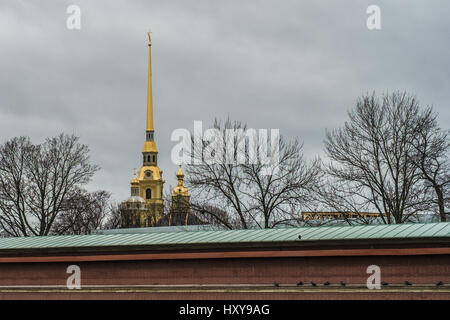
(401, 231)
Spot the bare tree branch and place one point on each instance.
(40, 182)
(371, 159)
(242, 194)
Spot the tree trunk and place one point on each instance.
(440, 199)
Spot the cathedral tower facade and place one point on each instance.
(180, 207)
(146, 206)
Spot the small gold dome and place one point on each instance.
(180, 173)
(134, 181)
(180, 189)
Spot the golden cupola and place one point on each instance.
(134, 185)
(180, 208)
(180, 189)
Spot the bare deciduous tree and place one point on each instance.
(372, 167)
(212, 215)
(86, 211)
(244, 194)
(38, 182)
(114, 217)
(338, 195)
(432, 146)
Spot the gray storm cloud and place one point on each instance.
(296, 66)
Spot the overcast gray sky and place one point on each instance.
(293, 65)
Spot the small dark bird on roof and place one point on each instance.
(276, 284)
(384, 283)
(408, 283)
(326, 283)
(440, 283)
(313, 284)
(299, 283)
(343, 283)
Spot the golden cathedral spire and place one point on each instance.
(149, 87)
(149, 145)
(146, 205)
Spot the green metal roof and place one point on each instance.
(204, 227)
(371, 232)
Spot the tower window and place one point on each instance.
(148, 194)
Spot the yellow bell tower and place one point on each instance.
(148, 184)
(180, 207)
